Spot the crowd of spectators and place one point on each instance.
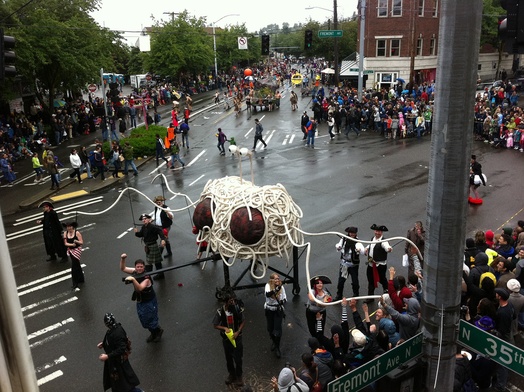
(498, 118)
(492, 298)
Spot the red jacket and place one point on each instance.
(398, 299)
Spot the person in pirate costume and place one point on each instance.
(350, 252)
(73, 242)
(377, 260)
(163, 219)
(52, 230)
(150, 233)
(145, 297)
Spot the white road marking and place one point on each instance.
(50, 328)
(45, 301)
(191, 184)
(49, 339)
(50, 377)
(49, 365)
(69, 300)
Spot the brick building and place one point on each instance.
(401, 36)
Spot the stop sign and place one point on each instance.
(92, 88)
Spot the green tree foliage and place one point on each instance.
(60, 47)
(180, 47)
(490, 13)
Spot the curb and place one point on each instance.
(79, 190)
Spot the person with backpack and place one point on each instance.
(97, 160)
(184, 130)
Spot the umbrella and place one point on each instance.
(249, 78)
(323, 278)
(58, 103)
(329, 71)
(401, 80)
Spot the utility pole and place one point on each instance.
(362, 12)
(172, 15)
(335, 27)
(459, 37)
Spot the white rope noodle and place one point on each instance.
(274, 203)
(307, 245)
(130, 189)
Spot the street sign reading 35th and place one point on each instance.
(329, 33)
(489, 345)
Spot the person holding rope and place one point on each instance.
(377, 260)
(163, 219)
(145, 297)
(274, 311)
(149, 232)
(350, 251)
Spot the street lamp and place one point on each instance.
(215, 42)
(335, 27)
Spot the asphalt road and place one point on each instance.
(355, 181)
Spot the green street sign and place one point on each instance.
(329, 33)
(378, 367)
(366, 71)
(487, 344)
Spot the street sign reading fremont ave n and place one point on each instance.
(489, 345)
(378, 367)
(329, 33)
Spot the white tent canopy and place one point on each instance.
(328, 71)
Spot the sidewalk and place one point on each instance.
(70, 188)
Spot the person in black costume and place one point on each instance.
(52, 230)
(119, 376)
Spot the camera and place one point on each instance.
(288, 365)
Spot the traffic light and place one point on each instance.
(308, 41)
(7, 56)
(508, 29)
(265, 44)
(114, 93)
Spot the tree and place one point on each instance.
(60, 47)
(180, 47)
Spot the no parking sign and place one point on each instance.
(242, 42)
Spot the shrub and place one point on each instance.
(142, 140)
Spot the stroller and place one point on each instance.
(306, 92)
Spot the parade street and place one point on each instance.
(341, 182)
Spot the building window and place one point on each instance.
(420, 7)
(382, 9)
(435, 10)
(381, 48)
(395, 48)
(433, 47)
(419, 46)
(397, 8)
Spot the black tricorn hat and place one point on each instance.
(46, 203)
(381, 227)
(145, 216)
(351, 229)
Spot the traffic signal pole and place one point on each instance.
(459, 37)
